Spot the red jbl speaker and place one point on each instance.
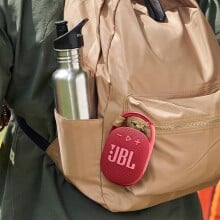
(127, 152)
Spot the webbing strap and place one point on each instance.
(33, 135)
(155, 10)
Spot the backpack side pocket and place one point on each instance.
(80, 151)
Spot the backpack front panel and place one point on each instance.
(165, 70)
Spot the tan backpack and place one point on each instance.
(169, 71)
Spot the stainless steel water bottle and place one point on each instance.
(69, 80)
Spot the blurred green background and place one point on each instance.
(2, 133)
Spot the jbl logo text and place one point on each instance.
(121, 156)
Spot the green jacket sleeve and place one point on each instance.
(211, 9)
(6, 55)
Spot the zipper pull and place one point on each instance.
(155, 10)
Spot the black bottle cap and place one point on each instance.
(61, 28)
(69, 40)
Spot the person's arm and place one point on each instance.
(211, 9)
(6, 57)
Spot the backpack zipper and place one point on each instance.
(188, 125)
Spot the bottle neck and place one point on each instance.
(68, 59)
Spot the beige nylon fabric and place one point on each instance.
(169, 71)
